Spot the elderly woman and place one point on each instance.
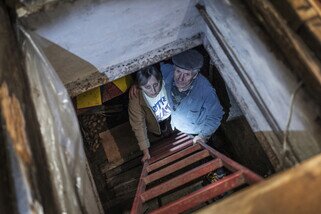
(149, 110)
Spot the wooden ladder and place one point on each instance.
(176, 153)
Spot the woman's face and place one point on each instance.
(152, 87)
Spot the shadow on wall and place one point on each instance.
(237, 140)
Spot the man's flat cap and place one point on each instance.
(189, 60)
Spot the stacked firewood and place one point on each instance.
(92, 125)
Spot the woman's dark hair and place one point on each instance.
(143, 75)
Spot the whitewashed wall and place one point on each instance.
(116, 35)
(270, 76)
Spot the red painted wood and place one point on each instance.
(250, 176)
(176, 166)
(166, 153)
(167, 141)
(166, 146)
(138, 203)
(173, 157)
(181, 179)
(202, 195)
(171, 151)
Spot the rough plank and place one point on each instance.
(118, 146)
(126, 175)
(121, 168)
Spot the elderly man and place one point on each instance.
(196, 109)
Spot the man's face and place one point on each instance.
(183, 78)
(152, 87)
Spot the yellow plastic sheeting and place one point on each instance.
(94, 97)
(89, 98)
(123, 83)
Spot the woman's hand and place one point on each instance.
(146, 155)
(133, 91)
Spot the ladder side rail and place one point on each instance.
(202, 195)
(138, 203)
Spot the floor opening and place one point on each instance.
(114, 155)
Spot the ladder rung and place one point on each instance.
(181, 179)
(171, 151)
(204, 194)
(250, 176)
(167, 141)
(173, 157)
(167, 146)
(175, 153)
(176, 166)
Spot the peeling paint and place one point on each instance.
(15, 123)
(119, 70)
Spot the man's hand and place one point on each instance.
(199, 139)
(146, 155)
(133, 91)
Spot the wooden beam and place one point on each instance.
(294, 191)
(306, 65)
(25, 160)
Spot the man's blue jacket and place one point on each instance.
(200, 112)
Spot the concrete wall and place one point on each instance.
(270, 77)
(116, 37)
